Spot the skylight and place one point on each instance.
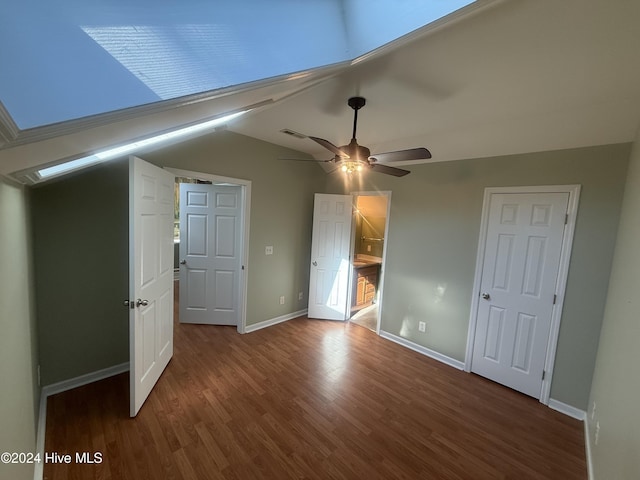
(67, 59)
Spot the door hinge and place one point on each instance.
(543, 374)
(566, 218)
(555, 297)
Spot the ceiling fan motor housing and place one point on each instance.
(355, 151)
(356, 102)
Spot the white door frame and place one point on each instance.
(561, 283)
(381, 193)
(245, 192)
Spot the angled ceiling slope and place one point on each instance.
(69, 59)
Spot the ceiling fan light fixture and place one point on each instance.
(351, 166)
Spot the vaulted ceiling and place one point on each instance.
(494, 78)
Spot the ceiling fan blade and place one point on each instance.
(396, 172)
(401, 155)
(330, 146)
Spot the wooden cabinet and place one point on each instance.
(365, 285)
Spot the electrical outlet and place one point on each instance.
(268, 250)
(282, 300)
(422, 326)
(368, 248)
(300, 296)
(597, 433)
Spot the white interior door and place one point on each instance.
(518, 288)
(210, 253)
(151, 277)
(330, 263)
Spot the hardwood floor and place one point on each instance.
(309, 399)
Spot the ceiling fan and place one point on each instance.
(355, 158)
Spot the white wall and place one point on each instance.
(18, 392)
(616, 383)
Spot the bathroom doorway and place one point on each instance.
(371, 215)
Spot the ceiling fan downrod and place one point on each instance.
(356, 103)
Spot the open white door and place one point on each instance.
(151, 277)
(330, 263)
(210, 253)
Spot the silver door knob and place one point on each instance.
(315, 264)
(183, 262)
(141, 302)
(485, 295)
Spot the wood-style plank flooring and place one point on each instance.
(310, 399)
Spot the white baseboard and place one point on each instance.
(85, 379)
(274, 321)
(587, 448)
(567, 409)
(452, 362)
(60, 387)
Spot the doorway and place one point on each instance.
(371, 211)
(521, 272)
(333, 282)
(219, 295)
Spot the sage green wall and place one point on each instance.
(281, 212)
(433, 238)
(19, 394)
(616, 382)
(80, 226)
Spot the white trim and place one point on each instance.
(274, 321)
(569, 410)
(59, 387)
(8, 129)
(587, 448)
(452, 362)
(246, 216)
(38, 470)
(85, 379)
(561, 283)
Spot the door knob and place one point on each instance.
(183, 262)
(485, 295)
(140, 302)
(315, 264)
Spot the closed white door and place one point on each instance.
(518, 285)
(210, 253)
(151, 277)
(330, 252)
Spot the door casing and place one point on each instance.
(244, 235)
(563, 270)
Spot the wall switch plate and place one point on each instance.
(268, 250)
(422, 326)
(282, 300)
(300, 296)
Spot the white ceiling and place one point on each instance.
(517, 76)
(520, 76)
